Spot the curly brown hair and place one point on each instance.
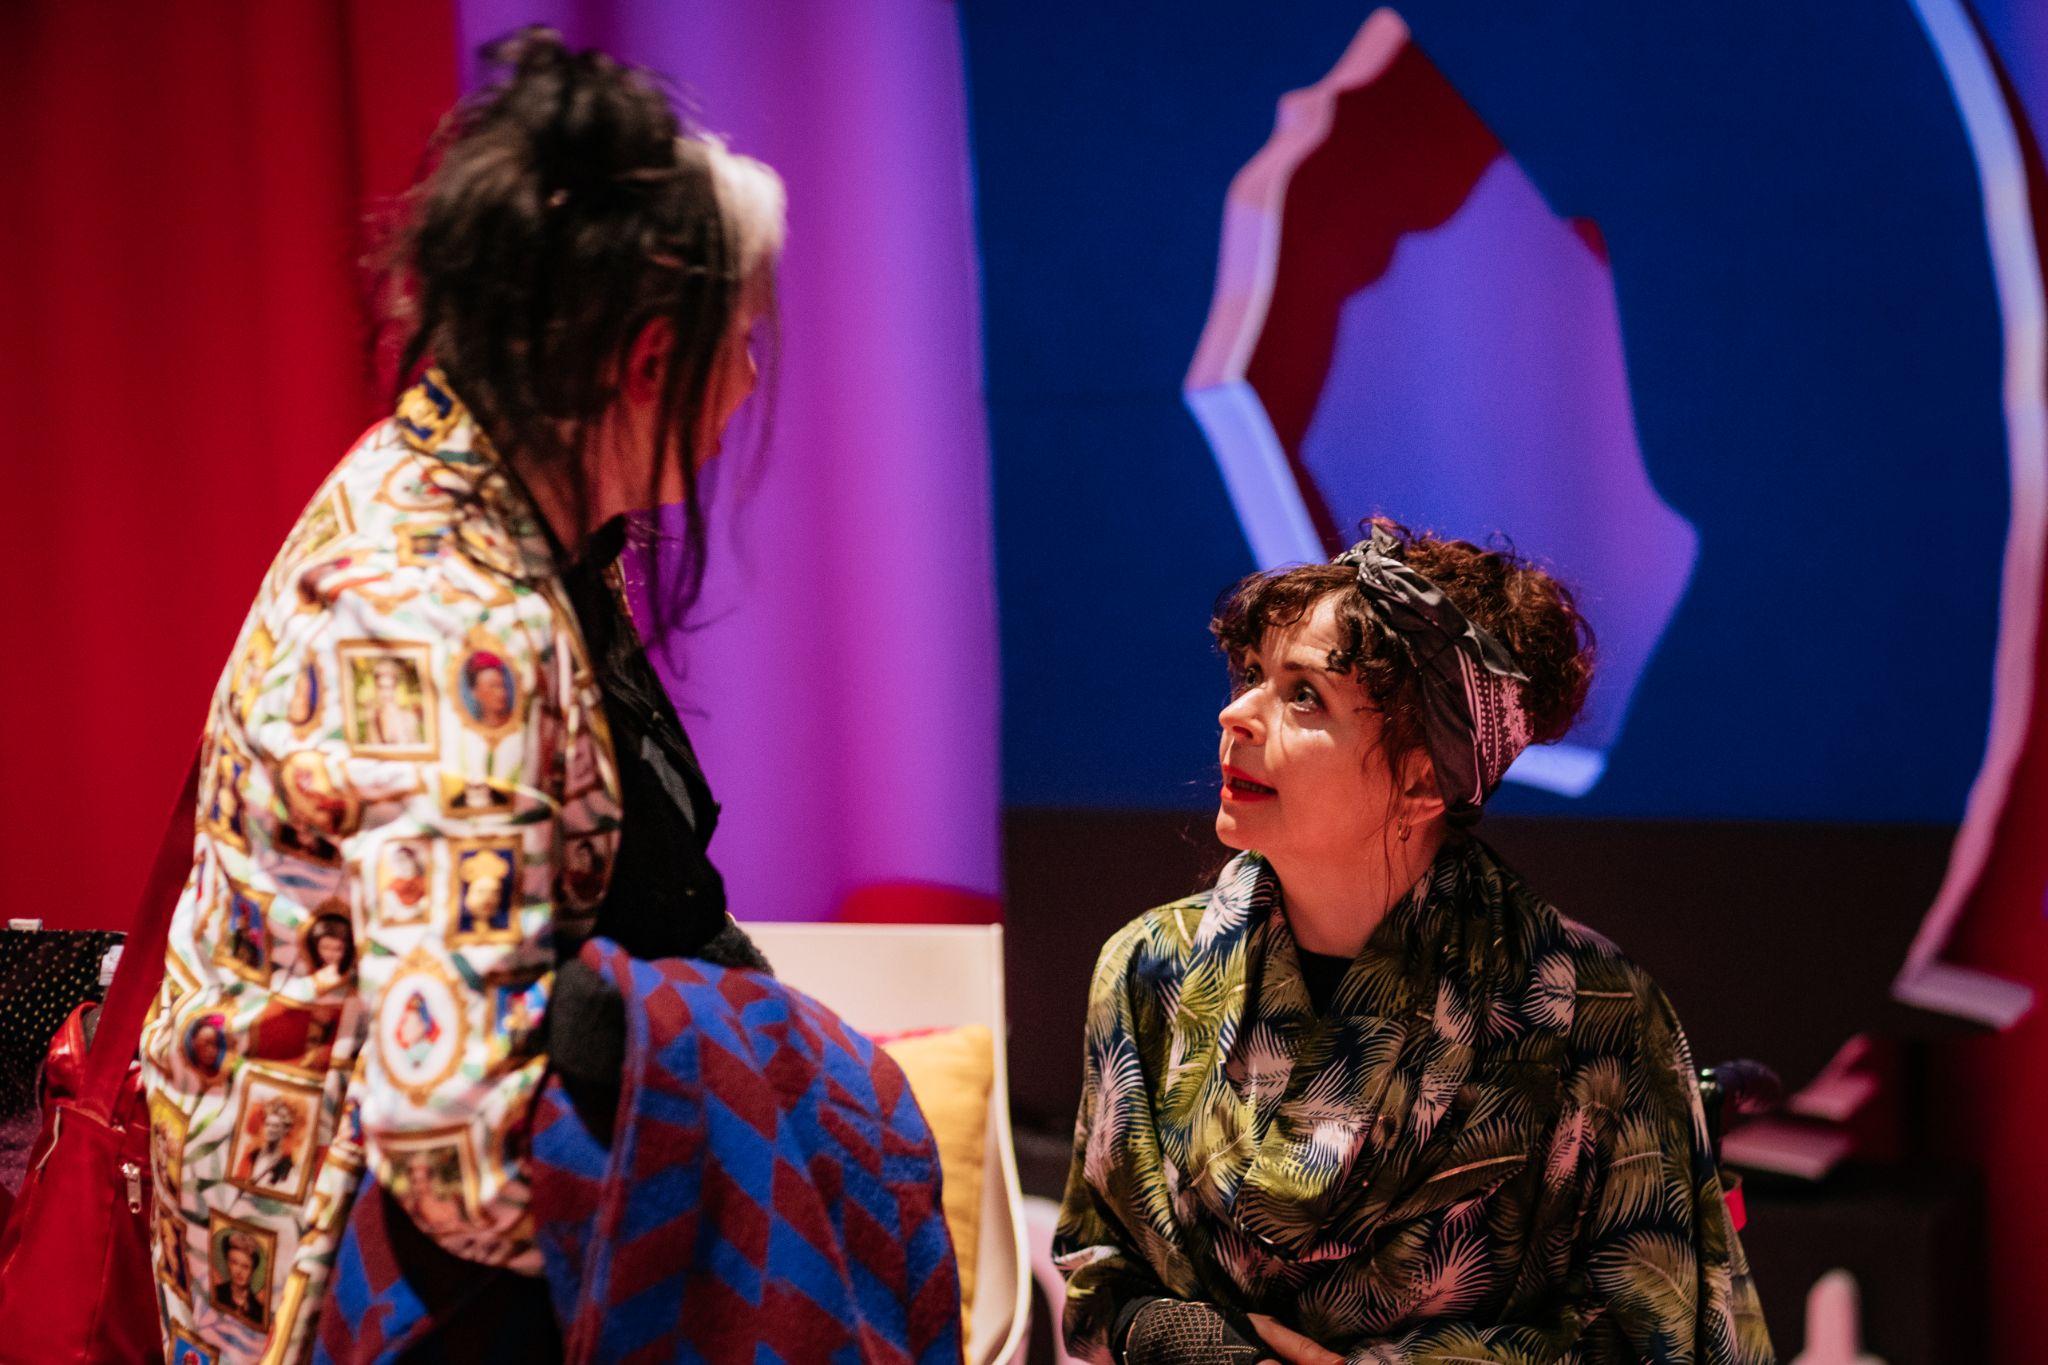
(1532, 614)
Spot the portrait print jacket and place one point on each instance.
(405, 751)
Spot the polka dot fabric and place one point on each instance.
(44, 974)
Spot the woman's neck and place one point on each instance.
(1333, 906)
(579, 495)
(555, 496)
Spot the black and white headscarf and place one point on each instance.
(1473, 720)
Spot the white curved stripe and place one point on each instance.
(1255, 471)
(1249, 256)
(1255, 468)
(2016, 272)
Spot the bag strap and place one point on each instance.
(141, 969)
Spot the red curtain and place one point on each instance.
(183, 344)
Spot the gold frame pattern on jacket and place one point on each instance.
(368, 932)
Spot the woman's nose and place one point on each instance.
(1241, 718)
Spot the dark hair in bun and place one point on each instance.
(565, 207)
(1528, 611)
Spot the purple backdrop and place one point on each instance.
(843, 685)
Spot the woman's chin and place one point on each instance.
(1228, 831)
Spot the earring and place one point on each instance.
(1401, 830)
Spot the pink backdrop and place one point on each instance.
(843, 687)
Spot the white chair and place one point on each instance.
(1041, 1221)
(892, 978)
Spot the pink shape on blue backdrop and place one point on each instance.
(1403, 327)
(1479, 386)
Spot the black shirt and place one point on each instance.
(1322, 974)
(665, 899)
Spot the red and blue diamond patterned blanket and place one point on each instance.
(771, 1195)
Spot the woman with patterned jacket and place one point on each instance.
(1369, 1098)
(438, 710)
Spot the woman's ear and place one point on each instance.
(647, 361)
(1419, 792)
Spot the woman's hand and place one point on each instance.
(1183, 1332)
(1291, 1346)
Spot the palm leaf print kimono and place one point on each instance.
(1490, 1148)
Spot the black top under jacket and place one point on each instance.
(665, 898)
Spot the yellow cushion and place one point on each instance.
(950, 1072)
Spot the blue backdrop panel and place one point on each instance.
(1807, 320)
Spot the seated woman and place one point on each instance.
(1369, 1098)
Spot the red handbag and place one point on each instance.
(75, 1279)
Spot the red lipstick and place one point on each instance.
(1241, 787)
